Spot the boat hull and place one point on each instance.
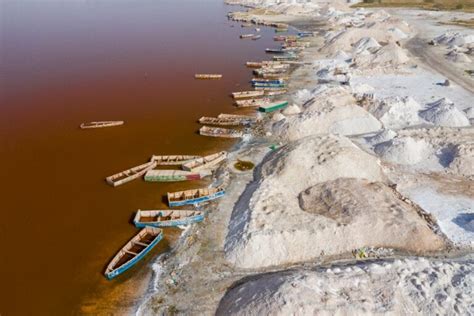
(114, 273)
(197, 200)
(272, 107)
(172, 223)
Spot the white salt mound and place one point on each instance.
(291, 110)
(444, 113)
(458, 57)
(405, 151)
(383, 136)
(469, 112)
(278, 117)
(365, 43)
(362, 88)
(396, 112)
(301, 96)
(341, 55)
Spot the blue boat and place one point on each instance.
(268, 85)
(133, 251)
(265, 81)
(196, 196)
(167, 218)
(305, 34)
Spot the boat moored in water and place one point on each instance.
(195, 196)
(207, 76)
(206, 162)
(247, 36)
(100, 124)
(133, 251)
(172, 160)
(220, 132)
(130, 174)
(224, 121)
(252, 102)
(167, 218)
(247, 94)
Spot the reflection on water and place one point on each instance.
(66, 62)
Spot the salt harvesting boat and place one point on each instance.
(281, 30)
(265, 85)
(220, 132)
(265, 81)
(255, 64)
(273, 106)
(207, 76)
(172, 160)
(206, 162)
(274, 50)
(274, 92)
(167, 218)
(133, 251)
(247, 35)
(274, 76)
(256, 37)
(285, 57)
(194, 196)
(100, 124)
(174, 175)
(130, 174)
(238, 117)
(246, 94)
(252, 102)
(305, 34)
(224, 121)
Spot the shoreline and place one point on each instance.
(204, 290)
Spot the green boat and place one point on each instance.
(174, 175)
(273, 106)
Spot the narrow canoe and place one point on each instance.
(268, 89)
(252, 102)
(206, 162)
(195, 196)
(167, 218)
(273, 106)
(207, 76)
(224, 121)
(285, 57)
(238, 117)
(100, 124)
(275, 92)
(246, 94)
(172, 160)
(134, 251)
(220, 132)
(256, 37)
(130, 174)
(305, 34)
(268, 85)
(274, 76)
(269, 81)
(247, 35)
(274, 50)
(174, 175)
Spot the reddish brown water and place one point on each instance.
(67, 62)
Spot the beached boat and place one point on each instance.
(252, 102)
(305, 34)
(285, 57)
(274, 92)
(274, 76)
(273, 106)
(130, 174)
(167, 218)
(172, 160)
(207, 76)
(246, 94)
(238, 117)
(220, 132)
(247, 25)
(281, 30)
(253, 64)
(265, 85)
(174, 175)
(264, 81)
(133, 251)
(196, 196)
(224, 121)
(100, 124)
(274, 50)
(256, 37)
(247, 36)
(206, 162)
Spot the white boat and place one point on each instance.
(220, 132)
(172, 160)
(247, 94)
(100, 124)
(206, 162)
(130, 174)
(252, 102)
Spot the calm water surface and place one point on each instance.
(63, 62)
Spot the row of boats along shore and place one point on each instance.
(269, 88)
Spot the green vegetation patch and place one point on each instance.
(243, 165)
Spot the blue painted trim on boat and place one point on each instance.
(186, 221)
(197, 200)
(132, 262)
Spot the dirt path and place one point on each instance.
(419, 48)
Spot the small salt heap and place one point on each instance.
(444, 113)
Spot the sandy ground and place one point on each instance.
(375, 159)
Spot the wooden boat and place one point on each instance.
(100, 124)
(133, 251)
(207, 76)
(253, 64)
(167, 218)
(275, 92)
(257, 29)
(246, 94)
(220, 132)
(238, 117)
(305, 34)
(285, 57)
(206, 162)
(264, 81)
(246, 25)
(256, 37)
(174, 175)
(274, 50)
(172, 160)
(267, 89)
(130, 174)
(274, 76)
(273, 106)
(196, 196)
(228, 121)
(247, 36)
(281, 30)
(252, 102)
(268, 85)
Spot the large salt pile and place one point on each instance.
(396, 112)
(318, 189)
(405, 150)
(333, 111)
(444, 113)
(381, 137)
(458, 57)
(454, 39)
(390, 55)
(365, 44)
(463, 162)
(399, 287)
(469, 112)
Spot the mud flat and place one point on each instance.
(367, 204)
